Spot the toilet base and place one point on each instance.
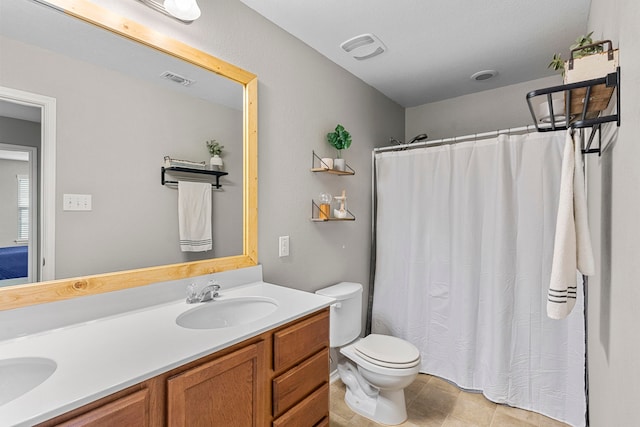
(387, 407)
(383, 402)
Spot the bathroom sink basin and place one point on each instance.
(227, 313)
(21, 375)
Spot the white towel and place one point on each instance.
(586, 263)
(572, 246)
(194, 216)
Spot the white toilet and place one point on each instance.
(375, 369)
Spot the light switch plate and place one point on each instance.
(283, 246)
(76, 202)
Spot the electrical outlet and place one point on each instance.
(283, 246)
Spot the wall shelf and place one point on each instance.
(318, 166)
(171, 170)
(315, 215)
(584, 101)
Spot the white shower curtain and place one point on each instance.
(464, 247)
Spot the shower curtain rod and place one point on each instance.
(456, 139)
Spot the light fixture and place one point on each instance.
(364, 46)
(186, 11)
(484, 75)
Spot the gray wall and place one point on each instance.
(113, 132)
(614, 209)
(19, 132)
(485, 111)
(301, 97)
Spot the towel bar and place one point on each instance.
(217, 174)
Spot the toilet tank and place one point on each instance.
(346, 313)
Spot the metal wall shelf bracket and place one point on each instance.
(581, 113)
(217, 174)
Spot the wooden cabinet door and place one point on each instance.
(222, 393)
(127, 411)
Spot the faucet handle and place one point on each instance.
(192, 293)
(214, 284)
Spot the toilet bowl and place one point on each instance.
(376, 368)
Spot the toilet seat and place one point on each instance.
(387, 351)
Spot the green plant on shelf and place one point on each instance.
(340, 139)
(557, 63)
(215, 149)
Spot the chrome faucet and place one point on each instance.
(208, 293)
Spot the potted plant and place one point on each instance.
(215, 149)
(340, 139)
(557, 63)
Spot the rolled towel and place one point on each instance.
(194, 216)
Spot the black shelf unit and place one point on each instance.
(217, 174)
(580, 93)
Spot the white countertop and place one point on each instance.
(99, 357)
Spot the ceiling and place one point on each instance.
(433, 47)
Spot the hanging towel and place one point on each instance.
(194, 216)
(572, 245)
(585, 260)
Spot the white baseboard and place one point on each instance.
(333, 376)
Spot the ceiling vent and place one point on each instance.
(364, 46)
(484, 75)
(176, 78)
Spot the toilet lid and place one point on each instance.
(388, 351)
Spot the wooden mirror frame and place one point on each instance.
(57, 290)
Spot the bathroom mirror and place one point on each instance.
(117, 166)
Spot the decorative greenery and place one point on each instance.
(557, 63)
(340, 139)
(584, 41)
(214, 147)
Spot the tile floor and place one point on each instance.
(433, 402)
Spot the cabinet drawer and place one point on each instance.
(323, 423)
(307, 413)
(296, 343)
(294, 385)
(131, 410)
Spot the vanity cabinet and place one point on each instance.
(224, 392)
(279, 378)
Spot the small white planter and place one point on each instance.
(339, 164)
(216, 163)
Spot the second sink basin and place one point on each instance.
(22, 374)
(227, 313)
